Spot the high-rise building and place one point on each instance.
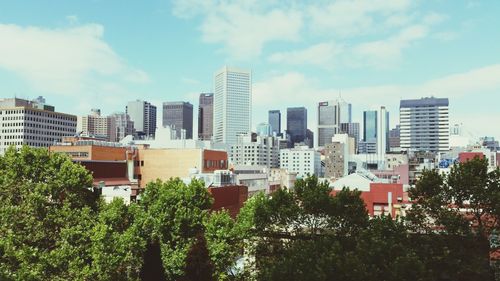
(370, 125)
(351, 129)
(345, 115)
(382, 132)
(206, 116)
(32, 123)
(232, 104)
(124, 126)
(179, 116)
(328, 122)
(264, 129)
(394, 139)
(143, 114)
(296, 124)
(98, 126)
(275, 121)
(309, 141)
(425, 124)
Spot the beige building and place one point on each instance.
(164, 164)
(95, 125)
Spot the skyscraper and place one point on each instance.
(206, 116)
(232, 104)
(143, 114)
(124, 126)
(424, 124)
(296, 124)
(382, 132)
(328, 121)
(275, 121)
(370, 126)
(264, 129)
(179, 116)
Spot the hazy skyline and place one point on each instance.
(101, 54)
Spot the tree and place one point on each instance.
(173, 217)
(52, 227)
(440, 200)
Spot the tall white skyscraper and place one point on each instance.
(382, 132)
(232, 104)
(425, 124)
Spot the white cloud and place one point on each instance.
(65, 61)
(242, 27)
(323, 54)
(297, 89)
(349, 18)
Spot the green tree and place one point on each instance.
(52, 227)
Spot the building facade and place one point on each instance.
(143, 114)
(296, 124)
(124, 126)
(263, 151)
(232, 104)
(301, 160)
(179, 116)
(96, 125)
(206, 116)
(32, 123)
(425, 124)
(275, 121)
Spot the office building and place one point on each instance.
(32, 123)
(206, 116)
(179, 116)
(263, 151)
(331, 114)
(98, 126)
(352, 129)
(143, 114)
(394, 139)
(275, 121)
(382, 132)
(370, 125)
(264, 129)
(301, 160)
(425, 124)
(232, 104)
(296, 124)
(124, 126)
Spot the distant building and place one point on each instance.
(275, 121)
(352, 129)
(309, 141)
(394, 139)
(296, 124)
(301, 160)
(143, 114)
(425, 124)
(264, 129)
(375, 132)
(263, 151)
(32, 123)
(206, 116)
(124, 126)
(232, 104)
(95, 125)
(179, 116)
(331, 114)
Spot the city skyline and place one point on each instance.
(400, 50)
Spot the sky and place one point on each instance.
(103, 53)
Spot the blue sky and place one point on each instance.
(100, 54)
